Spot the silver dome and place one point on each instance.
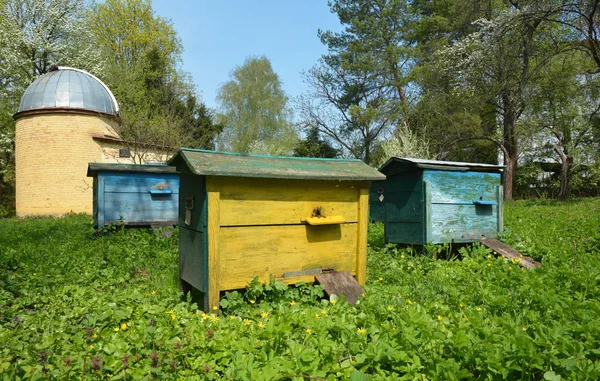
(69, 88)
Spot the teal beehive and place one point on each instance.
(429, 201)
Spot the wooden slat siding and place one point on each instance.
(450, 187)
(251, 251)
(192, 260)
(254, 202)
(140, 182)
(500, 208)
(140, 207)
(428, 232)
(410, 233)
(101, 220)
(376, 207)
(361, 252)
(510, 253)
(460, 222)
(214, 254)
(404, 206)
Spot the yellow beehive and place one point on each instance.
(245, 216)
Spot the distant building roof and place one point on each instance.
(212, 163)
(438, 165)
(66, 88)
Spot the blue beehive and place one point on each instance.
(428, 201)
(134, 194)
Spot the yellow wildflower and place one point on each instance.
(460, 305)
(408, 301)
(232, 317)
(390, 308)
(478, 309)
(264, 315)
(323, 312)
(214, 319)
(261, 325)
(489, 264)
(317, 316)
(509, 267)
(95, 336)
(402, 256)
(252, 301)
(153, 292)
(292, 303)
(170, 312)
(308, 331)
(440, 317)
(34, 274)
(333, 301)
(92, 346)
(362, 331)
(215, 308)
(379, 279)
(116, 329)
(247, 321)
(124, 326)
(524, 329)
(205, 316)
(173, 316)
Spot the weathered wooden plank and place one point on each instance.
(140, 182)
(139, 207)
(361, 252)
(459, 222)
(404, 206)
(428, 230)
(273, 202)
(500, 209)
(340, 283)
(214, 251)
(377, 206)
(510, 253)
(193, 188)
(192, 258)
(410, 233)
(251, 251)
(462, 187)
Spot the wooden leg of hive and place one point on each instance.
(363, 219)
(214, 263)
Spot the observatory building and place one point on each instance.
(67, 118)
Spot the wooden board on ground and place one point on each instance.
(508, 252)
(340, 283)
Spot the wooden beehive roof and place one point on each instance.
(94, 168)
(400, 164)
(213, 163)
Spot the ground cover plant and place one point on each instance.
(77, 305)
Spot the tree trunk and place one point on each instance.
(565, 174)
(511, 148)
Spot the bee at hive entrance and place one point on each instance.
(318, 212)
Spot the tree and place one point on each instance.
(34, 36)
(253, 110)
(500, 62)
(158, 104)
(359, 89)
(314, 146)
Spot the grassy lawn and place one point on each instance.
(74, 304)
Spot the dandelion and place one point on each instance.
(116, 329)
(362, 331)
(524, 329)
(440, 317)
(252, 301)
(247, 321)
(390, 308)
(292, 303)
(261, 325)
(323, 312)
(308, 331)
(478, 309)
(264, 315)
(124, 326)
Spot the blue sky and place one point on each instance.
(219, 35)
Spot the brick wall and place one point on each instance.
(52, 154)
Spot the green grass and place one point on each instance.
(74, 304)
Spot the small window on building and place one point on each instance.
(124, 152)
